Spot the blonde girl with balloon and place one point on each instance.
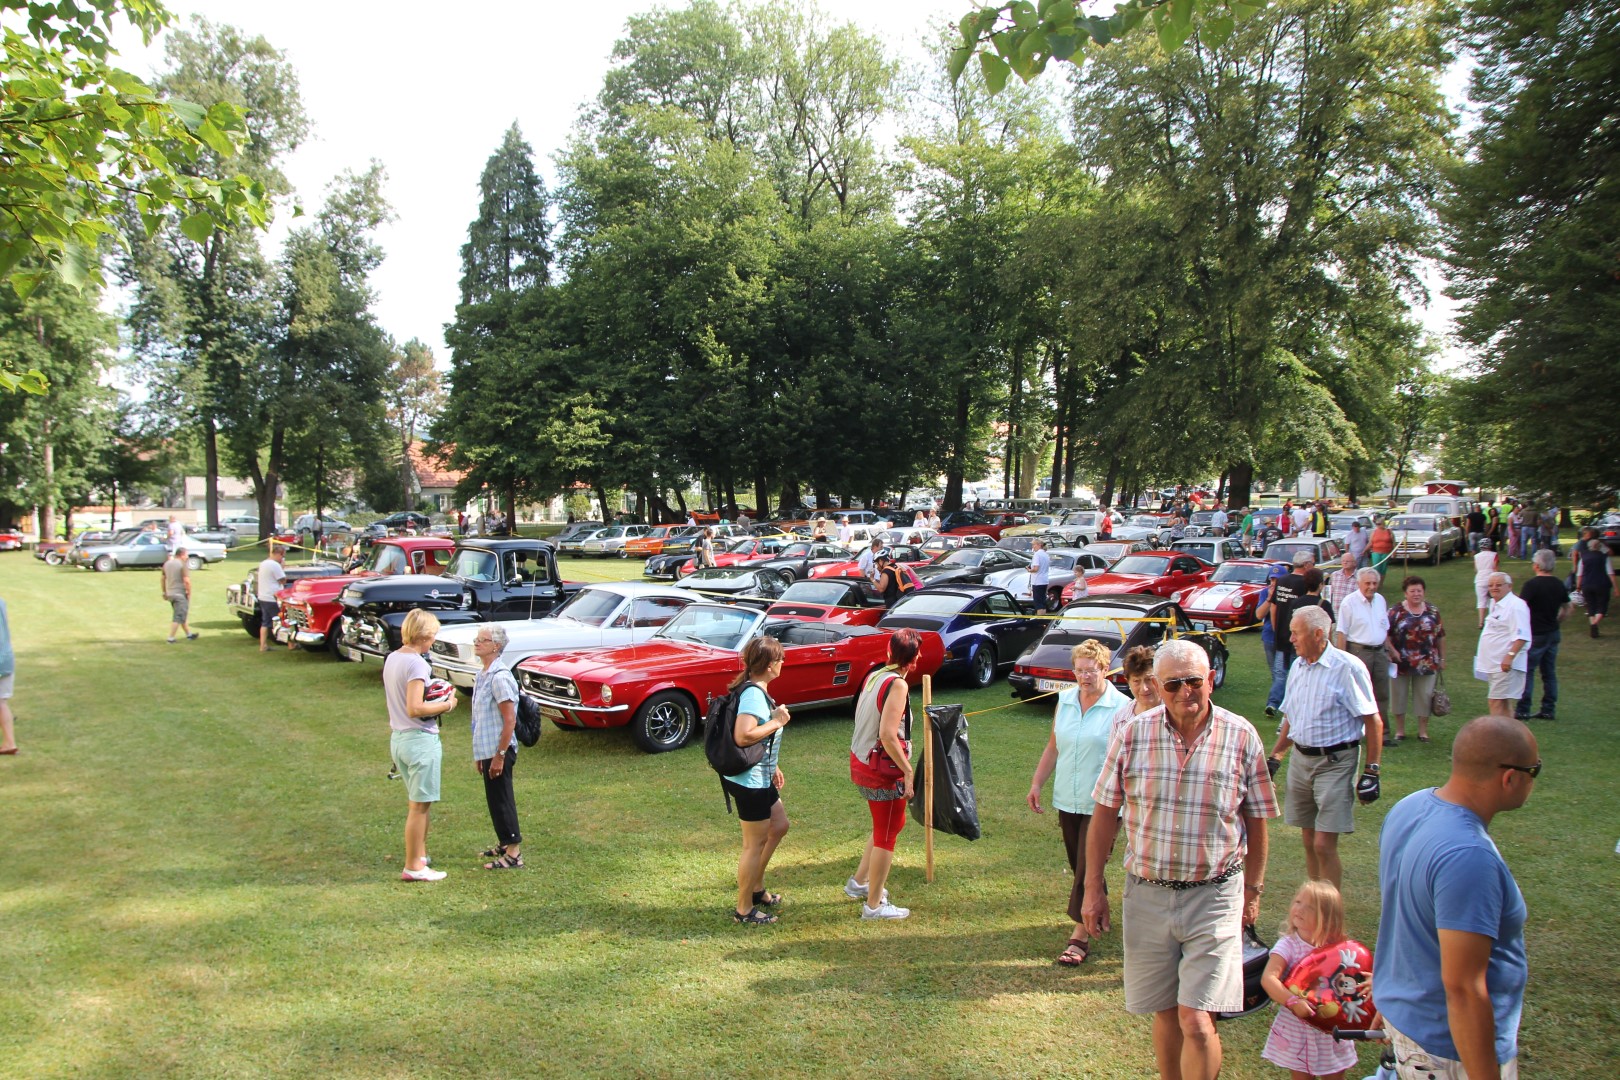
(1315, 918)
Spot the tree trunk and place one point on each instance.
(602, 501)
(48, 464)
(762, 506)
(823, 497)
(1108, 482)
(791, 496)
(957, 467)
(267, 521)
(1060, 383)
(1242, 476)
(1070, 457)
(405, 471)
(509, 507)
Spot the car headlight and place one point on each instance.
(607, 694)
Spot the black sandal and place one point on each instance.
(764, 898)
(506, 862)
(1075, 953)
(755, 917)
(493, 853)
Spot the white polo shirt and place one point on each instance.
(1363, 621)
(1508, 621)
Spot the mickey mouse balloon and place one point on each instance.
(1336, 981)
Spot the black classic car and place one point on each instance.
(486, 580)
(1116, 620)
(969, 566)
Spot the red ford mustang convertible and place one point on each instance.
(662, 687)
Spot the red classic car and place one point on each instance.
(1158, 572)
(11, 540)
(853, 601)
(746, 550)
(1229, 598)
(663, 686)
(969, 523)
(310, 611)
(910, 554)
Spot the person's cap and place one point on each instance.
(1277, 571)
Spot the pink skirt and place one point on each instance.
(1294, 1044)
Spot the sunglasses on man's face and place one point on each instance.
(1532, 771)
(1175, 686)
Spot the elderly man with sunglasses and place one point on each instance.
(1329, 712)
(1451, 965)
(1190, 783)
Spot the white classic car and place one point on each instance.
(611, 540)
(1067, 564)
(608, 613)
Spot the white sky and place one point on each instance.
(429, 93)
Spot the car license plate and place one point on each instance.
(551, 714)
(1203, 626)
(1046, 685)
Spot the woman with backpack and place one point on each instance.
(495, 745)
(757, 791)
(880, 766)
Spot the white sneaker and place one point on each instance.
(427, 873)
(885, 910)
(856, 891)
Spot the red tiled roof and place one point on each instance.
(431, 471)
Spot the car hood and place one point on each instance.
(1112, 582)
(319, 588)
(1216, 594)
(403, 587)
(1056, 649)
(659, 658)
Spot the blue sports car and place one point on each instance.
(984, 629)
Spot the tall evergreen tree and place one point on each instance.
(506, 249)
(1531, 224)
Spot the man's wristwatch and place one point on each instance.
(1259, 890)
(1372, 767)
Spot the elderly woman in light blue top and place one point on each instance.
(8, 669)
(1073, 760)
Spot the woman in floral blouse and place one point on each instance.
(1416, 644)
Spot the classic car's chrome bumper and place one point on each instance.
(240, 601)
(283, 633)
(454, 671)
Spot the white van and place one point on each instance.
(1454, 507)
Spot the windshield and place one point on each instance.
(795, 551)
(593, 606)
(386, 559)
(1083, 518)
(1203, 551)
(1411, 524)
(1107, 551)
(815, 592)
(1344, 521)
(1062, 562)
(931, 603)
(474, 564)
(1114, 622)
(723, 628)
(721, 573)
(1140, 564)
(1246, 573)
(611, 533)
(1147, 521)
(962, 557)
(742, 547)
(1436, 507)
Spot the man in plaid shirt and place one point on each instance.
(1191, 785)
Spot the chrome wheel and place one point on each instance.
(982, 671)
(664, 723)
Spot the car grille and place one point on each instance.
(550, 686)
(370, 632)
(447, 649)
(295, 615)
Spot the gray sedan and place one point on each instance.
(143, 549)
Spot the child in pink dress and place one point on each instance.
(1315, 918)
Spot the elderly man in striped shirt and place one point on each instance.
(1329, 712)
(1191, 783)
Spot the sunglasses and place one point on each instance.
(1532, 771)
(1175, 686)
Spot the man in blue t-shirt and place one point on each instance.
(1450, 967)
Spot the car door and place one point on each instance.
(1012, 630)
(149, 550)
(811, 671)
(1183, 572)
(527, 587)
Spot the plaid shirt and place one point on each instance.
(1340, 584)
(1183, 819)
(490, 687)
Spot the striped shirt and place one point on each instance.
(1326, 700)
(491, 686)
(1184, 803)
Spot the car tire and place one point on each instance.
(1217, 666)
(194, 562)
(334, 634)
(53, 558)
(104, 564)
(982, 668)
(250, 623)
(1434, 560)
(664, 722)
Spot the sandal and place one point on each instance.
(1075, 953)
(755, 917)
(506, 862)
(493, 853)
(767, 899)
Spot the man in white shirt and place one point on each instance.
(1217, 520)
(175, 536)
(271, 574)
(1040, 569)
(1328, 713)
(843, 529)
(1500, 661)
(1363, 628)
(933, 519)
(867, 562)
(1301, 520)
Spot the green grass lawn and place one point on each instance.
(200, 878)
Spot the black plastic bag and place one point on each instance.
(956, 807)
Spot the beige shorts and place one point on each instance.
(6, 685)
(1503, 684)
(1183, 946)
(1412, 1062)
(1321, 791)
